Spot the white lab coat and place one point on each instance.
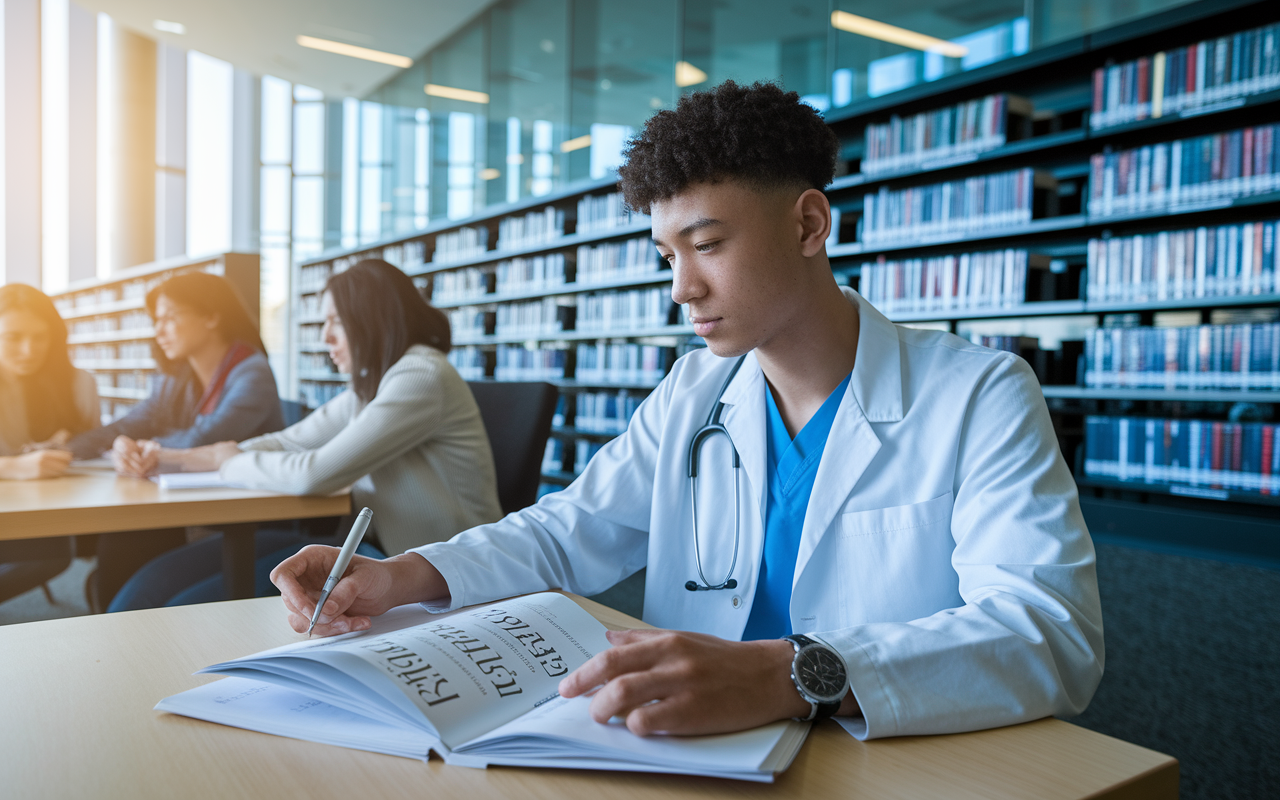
(943, 552)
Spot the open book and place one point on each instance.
(477, 686)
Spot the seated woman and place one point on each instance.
(406, 436)
(215, 384)
(43, 402)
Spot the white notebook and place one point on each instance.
(191, 480)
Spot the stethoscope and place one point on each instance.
(711, 428)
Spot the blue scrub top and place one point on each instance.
(792, 467)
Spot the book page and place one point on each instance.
(465, 673)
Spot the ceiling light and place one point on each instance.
(852, 23)
(575, 144)
(166, 26)
(450, 93)
(344, 49)
(688, 75)
(489, 174)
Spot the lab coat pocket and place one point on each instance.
(895, 563)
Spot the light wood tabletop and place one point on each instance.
(78, 694)
(94, 499)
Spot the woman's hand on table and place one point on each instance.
(135, 458)
(35, 465)
(208, 458)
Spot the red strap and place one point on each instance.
(238, 352)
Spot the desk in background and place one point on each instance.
(96, 500)
(77, 703)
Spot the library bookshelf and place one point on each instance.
(1031, 207)
(109, 332)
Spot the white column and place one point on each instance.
(246, 127)
(55, 103)
(171, 151)
(20, 230)
(82, 205)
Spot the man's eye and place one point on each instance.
(704, 247)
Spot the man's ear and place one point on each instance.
(814, 214)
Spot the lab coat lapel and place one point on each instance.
(874, 394)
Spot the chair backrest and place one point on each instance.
(293, 411)
(517, 417)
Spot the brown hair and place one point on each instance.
(50, 392)
(383, 313)
(210, 295)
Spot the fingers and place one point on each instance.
(628, 654)
(303, 571)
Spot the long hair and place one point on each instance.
(50, 392)
(209, 295)
(383, 313)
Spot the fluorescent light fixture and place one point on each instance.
(344, 49)
(852, 23)
(688, 75)
(489, 174)
(575, 144)
(166, 26)
(450, 93)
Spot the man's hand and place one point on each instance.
(137, 459)
(35, 466)
(58, 441)
(369, 588)
(688, 683)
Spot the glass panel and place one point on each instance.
(308, 138)
(275, 200)
(277, 114)
(624, 62)
(457, 94)
(308, 210)
(371, 168)
(756, 40)
(208, 155)
(1056, 20)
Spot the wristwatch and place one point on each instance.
(820, 676)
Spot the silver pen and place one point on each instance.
(344, 558)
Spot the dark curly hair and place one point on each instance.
(758, 134)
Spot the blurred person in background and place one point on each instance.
(215, 384)
(406, 435)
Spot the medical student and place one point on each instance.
(901, 507)
(407, 437)
(215, 384)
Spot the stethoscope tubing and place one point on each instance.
(712, 427)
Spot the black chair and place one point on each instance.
(517, 417)
(28, 563)
(293, 411)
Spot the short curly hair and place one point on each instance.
(758, 134)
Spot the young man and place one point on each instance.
(901, 504)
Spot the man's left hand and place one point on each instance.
(688, 683)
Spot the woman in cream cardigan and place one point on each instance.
(406, 436)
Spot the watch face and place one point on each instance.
(821, 673)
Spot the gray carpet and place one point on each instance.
(1193, 668)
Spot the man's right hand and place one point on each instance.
(369, 588)
(36, 465)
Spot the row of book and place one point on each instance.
(461, 245)
(542, 317)
(316, 363)
(109, 295)
(110, 352)
(468, 361)
(516, 363)
(623, 311)
(530, 230)
(138, 322)
(1185, 172)
(536, 273)
(622, 363)
(1198, 357)
(993, 279)
(1208, 261)
(408, 256)
(459, 285)
(316, 393)
(605, 412)
(1187, 78)
(617, 260)
(1231, 456)
(606, 212)
(961, 207)
(941, 135)
(467, 323)
(309, 306)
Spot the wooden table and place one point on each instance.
(76, 698)
(92, 499)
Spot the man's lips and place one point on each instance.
(704, 325)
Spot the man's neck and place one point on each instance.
(205, 361)
(804, 365)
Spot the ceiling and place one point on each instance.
(260, 35)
